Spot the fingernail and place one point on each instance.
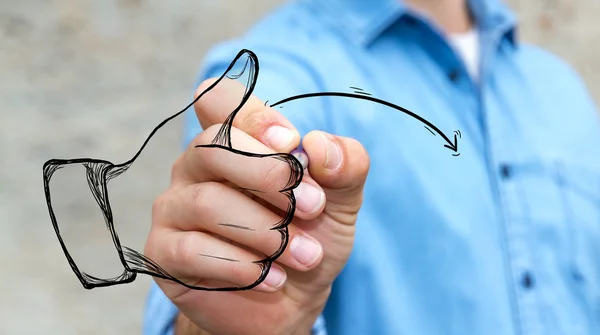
(305, 250)
(334, 154)
(308, 198)
(276, 277)
(301, 156)
(279, 138)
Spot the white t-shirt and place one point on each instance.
(467, 45)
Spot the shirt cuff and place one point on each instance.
(319, 326)
(159, 314)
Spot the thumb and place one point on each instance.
(340, 166)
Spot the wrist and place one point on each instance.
(306, 325)
(303, 325)
(183, 326)
(305, 328)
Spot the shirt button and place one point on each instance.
(505, 171)
(527, 280)
(453, 75)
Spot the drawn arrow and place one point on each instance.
(452, 145)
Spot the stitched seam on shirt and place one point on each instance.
(486, 52)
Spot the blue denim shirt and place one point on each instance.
(503, 239)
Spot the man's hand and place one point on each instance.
(207, 231)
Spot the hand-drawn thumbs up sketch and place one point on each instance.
(100, 172)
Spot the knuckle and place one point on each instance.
(274, 176)
(253, 122)
(150, 245)
(202, 198)
(158, 207)
(198, 195)
(176, 168)
(240, 273)
(272, 243)
(235, 270)
(181, 250)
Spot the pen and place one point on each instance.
(301, 156)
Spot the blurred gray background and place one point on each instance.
(92, 78)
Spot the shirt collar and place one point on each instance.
(362, 21)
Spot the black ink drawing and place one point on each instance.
(100, 172)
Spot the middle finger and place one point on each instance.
(247, 224)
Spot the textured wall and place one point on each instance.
(86, 77)
(568, 28)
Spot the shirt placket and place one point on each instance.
(513, 226)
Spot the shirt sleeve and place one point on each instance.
(160, 313)
(319, 326)
(281, 74)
